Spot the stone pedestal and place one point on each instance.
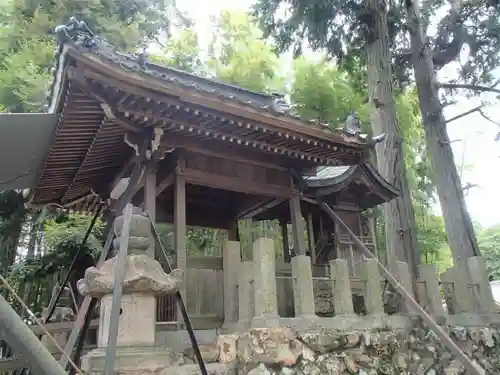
(144, 280)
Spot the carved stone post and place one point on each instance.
(144, 280)
(266, 300)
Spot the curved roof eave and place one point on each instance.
(342, 176)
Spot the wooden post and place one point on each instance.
(150, 203)
(310, 238)
(180, 227)
(373, 234)
(299, 243)
(286, 243)
(233, 232)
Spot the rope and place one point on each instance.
(39, 323)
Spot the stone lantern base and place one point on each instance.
(133, 360)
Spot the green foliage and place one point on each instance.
(182, 52)
(344, 28)
(323, 92)
(63, 234)
(239, 56)
(63, 237)
(27, 39)
(12, 216)
(489, 243)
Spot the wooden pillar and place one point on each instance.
(372, 224)
(180, 228)
(286, 243)
(233, 232)
(150, 203)
(310, 238)
(299, 243)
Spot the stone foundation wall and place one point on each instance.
(416, 350)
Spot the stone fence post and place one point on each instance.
(266, 300)
(459, 295)
(231, 259)
(246, 307)
(303, 290)
(373, 288)
(341, 287)
(404, 278)
(429, 291)
(479, 278)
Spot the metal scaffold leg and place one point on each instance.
(20, 337)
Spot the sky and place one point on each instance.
(476, 154)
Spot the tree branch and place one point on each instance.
(488, 118)
(468, 87)
(478, 108)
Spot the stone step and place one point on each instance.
(212, 369)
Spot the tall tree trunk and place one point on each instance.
(399, 216)
(461, 236)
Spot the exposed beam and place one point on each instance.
(259, 208)
(240, 140)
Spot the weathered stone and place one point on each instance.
(459, 332)
(325, 340)
(486, 335)
(350, 364)
(401, 361)
(324, 364)
(209, 353)
(323, 300)
(142, 275)
(194, 369)
(260, 370)
(287, 371)
(133, 361)
(269, 346)
(228, 350)
(308, 354)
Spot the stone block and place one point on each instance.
(228, 348)
(209, 353)
(133, 361)
(341, 287)
(137, 323)
(231, 258)
(269, 346)
(373, 287)
(303, 290)
(265, 293)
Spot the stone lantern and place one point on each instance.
(144, 280)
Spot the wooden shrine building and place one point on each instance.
(350, 190)
(212, 153)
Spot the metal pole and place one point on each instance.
(25, 343)
(53, 301)
(182, 306)
(114, 319)
(84, 311)
(85, 308)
